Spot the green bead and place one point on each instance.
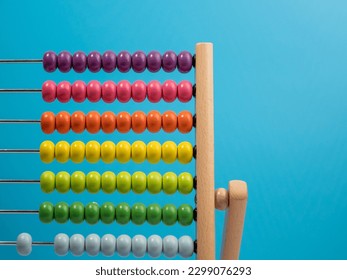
(61, 212)
(123, 213)
(108, 182)
(139, 182)
(154, 182)
(169, 214)
(47, 181)
(169, 183)
(185, 214)
(46, 212)
(153, 214)
(185, 183)
(92, 213)
(107, 213)
(93, 182)
(62, 182)
(123, 182)
(78, 182)
(138, 213)
(77, 212)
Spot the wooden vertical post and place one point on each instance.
(205, 152)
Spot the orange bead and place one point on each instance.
(153, 121)
(78, 122)
(123, 122)
(48, 122)
(138, 122)
(93, 122)
(108, 122)
(184, 122)
(169, 121)
(62, 122)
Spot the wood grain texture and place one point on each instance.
(234, 220)
(205, 152)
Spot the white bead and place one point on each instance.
(154, 246)
(170, 246)
(24, 244)
(123, 245)
(108, 245)
(93, 244)
(186, 246)
(77, 244)
(61, 244)
(139, 246)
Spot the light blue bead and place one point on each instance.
(123, 245)
(77, 244)
(61, 244)
(108, 245)
(24, 244)
(170, 246)
(185, 246)
(154, 246)
(93, 244)
(139, 246)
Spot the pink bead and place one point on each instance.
(49, 91)
(94, 91)
(154, 91)
(64, 92)
(184, 91)
(109, 91)
(138, 91)
(79, 91)
(169, 91)
(124, 91)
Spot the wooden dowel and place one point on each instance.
(205, 152)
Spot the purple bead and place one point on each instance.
(169, 61)
(138, 61)
(94, 62)
(184, 62)
(109, 61)
(154, 61)
(64, 61)
(49, 61)
(124, 61)
(79, 62)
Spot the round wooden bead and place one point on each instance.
(62, 151)
(123, 122)
(185, 183)
(123, 213)
(138, 61)
(77, 151)
(154, 152)
(108, 182)
(184, 152)
(123, 245)
(184, 122)
(61, 212)
(221, 199)
(93, 151)
(170, 246)
(62, 122)
(123, 151)
(93, 182)
(47, 122)
(109, 91)
(94, 91)
(154, 121)
(169, 152)
(139, 122)
(124, 61)
(61, 244)
(108, 151)
(169, 183)
(138, 213)
(185, 214)
(169, 214)
(108, 245)
(92, 213)
(153, 214)
(107, 213)
(184, 62)
(93, 122)
(184, 91)
(79, 91)
(169, 61)
(169, 91)
(77, 244)
(108, 122)
(185, 246)
(154, 182)
(139, 182)
(49, 61)
(47, 151)
(78, 122)
(169, 121)
(138, 151)
(64, 91)
(93, 244)
(24, 244)
(138, 91)
(153, 61)
(62, 182)
(124, 91)
(47, 181)
(139, 246)
(49, 91)
(77, 212)
(154, 246)
(123, 182)
(79, 62)
(78, 182)
(46, 212)
(64, 61)
(109, 61)
(154, 91)
(94, 61)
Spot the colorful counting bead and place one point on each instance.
(138, 151)
(47, 151)
(108, 245)
(77, 244)
(61, 212)
(24, 244)
(49, 91)
(169, 61)
(77, 212)
(46, 212)
(49, 61)
(108, 151)
(184, 122)
(169, 183)
(139, 182)
(184, 152)
(62, 122)
(124, 182)
(185, 246)
(77, 151)
(109, 61)
(169, 152)
(91, 213)
(154, 91)
(64, 61)
(93, 151)
(64, 92)
(78, 182)
(79, 62)
(92, 244)
(94, 91)
(123, 245)
(124, 91)
(184, 91)
(93, 122)
(169, 121)
(154, 246)
(185, 214)
(123, 213)
(48, 122)
(154, 182)
(62, 151)
(79, 91)
(108, 122)
(107, 213)
(153, 61)
(170, 246)
(184, 62)
(93, 182)
(78, 122)
(154, 214)
(47, 181)
(94, 61)
(169, 91)
(138, 61)
(62, 182)
(138, 213)
(123, 122)
(139, 246)
(169, 214)
(61, 244)
(123, 151)
(139, 91)
(124, 61)
(109, 91)
(108, 182)
(138, 122)
(154, 152)
(185, 183)
(154, 121)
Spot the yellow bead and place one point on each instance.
(138, 151)
(184, 152)
(47, 151)
(77, 151)
(108, 151)
(93, 151)
(62, 151)
(169, 152)
(153, 152)
(123, 151)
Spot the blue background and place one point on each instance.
(280, 113)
